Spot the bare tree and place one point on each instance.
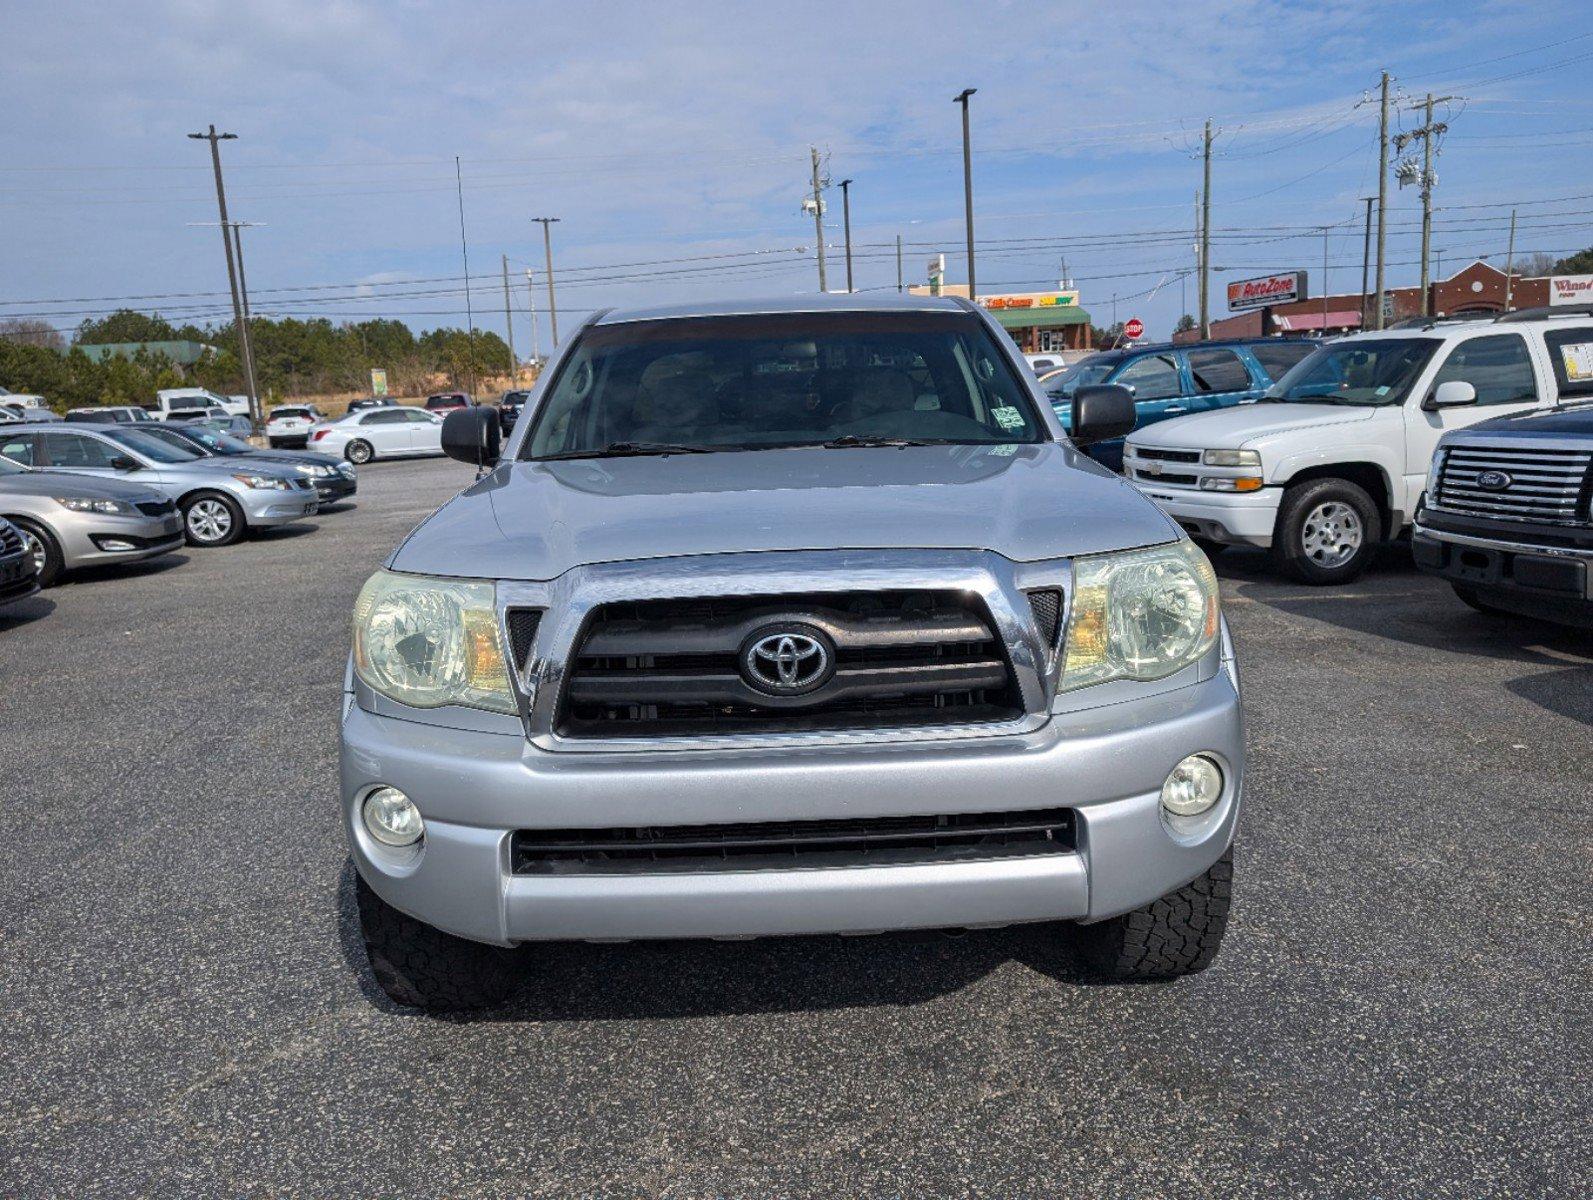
(1531, 266)
(28, 332)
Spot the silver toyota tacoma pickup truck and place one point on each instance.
(795, 617)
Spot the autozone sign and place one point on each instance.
(1266, 289)
(1571, 289)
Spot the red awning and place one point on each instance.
(1314, 320)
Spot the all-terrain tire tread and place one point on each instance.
(1178, 934)
(422, 967)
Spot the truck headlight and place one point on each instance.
(428, 642)
(1231, 458)
(1140, 614)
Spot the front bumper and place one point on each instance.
(93, 539)
(1550, 581)
(1232, 518)
(270, 508)
(339, 487)
(1106, 763)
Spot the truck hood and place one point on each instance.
(535, 521)
(68, 484)
(1243, 425)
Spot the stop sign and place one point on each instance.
(1133, 327)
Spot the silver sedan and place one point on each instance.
(71, 521)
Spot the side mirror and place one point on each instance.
(473, 435)
(1101, 412)
(1451, 394)
(122, 463)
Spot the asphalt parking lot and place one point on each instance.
(1401, 1009)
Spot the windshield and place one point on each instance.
(1081, 374)
(1369, 373)
(797, 379)
(152, 447)
(219, 443)
(294, 413)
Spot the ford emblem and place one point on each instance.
(1494, 481)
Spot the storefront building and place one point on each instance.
(1039, 322)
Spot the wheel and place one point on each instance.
(1327, 531)
(1208, 547)
(1179, 934)
(211, 519)
(47, 558)
(358, 452)
(423, 967)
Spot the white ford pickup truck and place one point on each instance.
(1333, 459)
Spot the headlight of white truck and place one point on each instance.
(1140, 614)
(429, 642)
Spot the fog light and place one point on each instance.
(392, 818)
(1193, 786)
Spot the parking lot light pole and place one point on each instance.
(846, 223)
(967, 186)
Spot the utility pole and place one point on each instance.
(245, 351)
(818, 217)
(1510, 258)
(1325, 229)
(1366, 257)
(1205, 239)
(464, 250)
(1408, 172)
(1382, 200)
(898, 262)
(846, 222)
(508, 325)
(531, 302)
(967, 186)
(547, 249)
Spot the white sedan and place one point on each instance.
(379, 433)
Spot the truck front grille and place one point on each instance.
(1519, 482)
(659, 668)
(784, 845)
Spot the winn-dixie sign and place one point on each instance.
(1571, 289)
(1264, 290)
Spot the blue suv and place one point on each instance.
(1169, 381)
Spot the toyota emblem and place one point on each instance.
(787, 660)
(1494, 481)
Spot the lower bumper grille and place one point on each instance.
(785, 845)
(661, 668)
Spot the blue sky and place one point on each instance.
(672, 141)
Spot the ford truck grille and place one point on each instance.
(776, 845)
(830, 661)
(1518, 482)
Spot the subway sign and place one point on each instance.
(1264, 290)
(1031, 300)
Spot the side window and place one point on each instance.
(1277, 357)
(18, 448)
(1218, 371)
(1571, 352)
(387, 416)
(72, 450)
(1154, 377)
(416, 417)
(1499, 367)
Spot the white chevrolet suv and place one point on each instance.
(1333, 459)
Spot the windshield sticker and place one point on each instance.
(1007, 417)
(1383, 391)
(1006, 450)
(1578, 360)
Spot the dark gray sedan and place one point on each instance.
(333, 478)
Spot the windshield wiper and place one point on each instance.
(633, 449)
(849, 441)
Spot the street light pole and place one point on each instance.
(967, 186)
(245, 352)
(846, 222)
(547, 249)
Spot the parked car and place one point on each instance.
(110, 414)
(220, 499)
(446, 402)
(333, 477)
(380, 433)
(170, 400)
(943, 669)
(236, 427)
(290, 424)
(1507, 517)
(70, 521)
(25, 400)
(509, 407)
(12, 413)
(1333, 460)
(370, 402)
(19, 575)
(1041, 363)
(1167, 380)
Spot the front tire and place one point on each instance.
(46, 551)
(1327, 532)
(359, 452)
(1178, 934)
(421, 967)
(212, 519)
